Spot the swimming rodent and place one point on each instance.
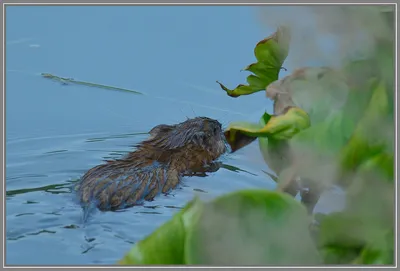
(156, 166)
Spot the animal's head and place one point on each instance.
(200, 132)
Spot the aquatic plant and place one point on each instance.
(330, 126)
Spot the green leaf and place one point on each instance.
(374, 132)
(340, 254)
(260, 68)
(369, 185)
(349, 237)
(272, 133)
(245, 227)
(326, 138)
(340, 238)
(149, 250)
(240, 90)
(247, 128)
(379, 253)
(275, 153)
(341, 229)
(280, 127)
(251, 227)
(240, 134)
(270, 54)
(166, 244)
(371, 255)
(284, 127)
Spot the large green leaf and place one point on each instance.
(374, 133)
(348, 237)
(270, 54)
(164, 246)
(246, 227)
(326, 137)
(366, 162)
(252, 227)
(380, 252)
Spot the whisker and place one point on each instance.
(183, 113)
(193, 111)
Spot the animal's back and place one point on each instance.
(112, 187)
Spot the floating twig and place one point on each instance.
(67, 81)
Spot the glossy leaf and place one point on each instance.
(281, 127)
(270, 54)
(284, 127)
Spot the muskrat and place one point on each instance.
(156, 166)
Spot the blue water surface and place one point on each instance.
(55, 132)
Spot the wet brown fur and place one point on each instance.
(156, 166)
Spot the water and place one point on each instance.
(55, 132)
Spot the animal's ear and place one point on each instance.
(162, 128)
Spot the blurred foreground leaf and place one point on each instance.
(249, 227)
(350, 142)
(374, 134)
(319, 91)
(165, 245)
(346, 238)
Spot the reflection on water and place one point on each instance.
(53, 188)
(41, 232)
(96, 139)
(199, 190)
(236, 169)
